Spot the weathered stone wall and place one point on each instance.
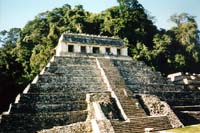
(100, 97)
(138, 125)
(184, 98)
(157, 107)
(105, 126)
(137, 72)
(89, 41)
(153, 88)
(57, 98)
(80, 127)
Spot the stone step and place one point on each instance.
(75, 84)
(136, 79)
(154, 88)
(45, 108)
(138, 125)
(35, 122)
(77, 55)
(177, 94)
(80, 127)
(56, 79)
(69, 85)
(73, 73)
(68, 76)
(132, 71)
(141, 78)
(131, 107)
(72, 67)
(183, 101)
(186, 108)
(110, 70)
(67, 88)
(113, 75)
(106, 62)
(51, 98)
(189, 117)
(73, 60)
(119, 90)
(71, 63)
(74, 57)
(117, 82)
(129, 64)
(194, 114)
(138, 70)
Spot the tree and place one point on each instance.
(130, 21)
(186, 36)
(10, 69)
(130, 5)
(113, 23)
(182, 18)
(41, 54)
(10, 37)
(141, 52)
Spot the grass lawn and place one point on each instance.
(187, 129)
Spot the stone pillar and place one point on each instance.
(61, 49)
(124, 51)
(102, 50)
(77, 48)
(113, 50)
(88, 49)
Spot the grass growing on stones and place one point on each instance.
(187, 129)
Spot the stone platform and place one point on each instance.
(95, 93)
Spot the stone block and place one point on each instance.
(35, 122)
(48, 108)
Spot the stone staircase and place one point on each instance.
(58, 97)
(186, 105)
(140, 79)
(137, 72)
(139, 125)
(129, 104)
(138, 119)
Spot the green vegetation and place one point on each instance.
(188, 129)
(26, 51)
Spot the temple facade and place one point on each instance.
(90, 44)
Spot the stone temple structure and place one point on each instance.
(91, 85)
(90, 45)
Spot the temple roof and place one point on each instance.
(92, 39)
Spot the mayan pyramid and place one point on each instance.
(91, 85)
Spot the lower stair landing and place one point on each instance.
(39, 121)
(138, 125)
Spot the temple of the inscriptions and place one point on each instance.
(91, 85)
(81, 43)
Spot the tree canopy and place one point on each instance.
(26, 51)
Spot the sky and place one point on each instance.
(16, 13)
